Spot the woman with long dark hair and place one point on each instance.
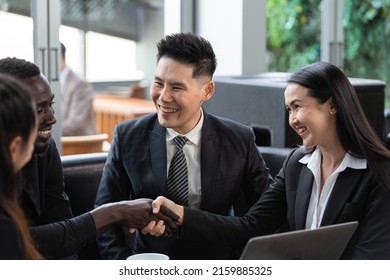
(327, 83)
(18, 130)
(340, 174)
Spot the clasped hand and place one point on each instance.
(138, 214)
(163, 208)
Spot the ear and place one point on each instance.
(15, 146)
(332, 106)
(208, 90)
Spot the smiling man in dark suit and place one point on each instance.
(221, 155)
(54, 230)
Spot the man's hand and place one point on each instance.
(138, 213)
(162, 205)
(133, 214)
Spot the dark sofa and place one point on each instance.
(82, 174)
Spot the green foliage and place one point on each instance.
(294, 30)
(293, 33)
(367, 40)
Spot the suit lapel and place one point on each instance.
(210, 145)
(158, 156)
(304, 189)
(342, 190)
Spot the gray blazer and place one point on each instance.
(77, 106)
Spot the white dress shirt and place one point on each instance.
(192, 153)
(318, 202)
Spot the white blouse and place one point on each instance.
(318, 202)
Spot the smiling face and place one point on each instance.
(178, 96)
(43, 97)
(313, 122)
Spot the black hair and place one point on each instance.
(63, 50)
(189, 48)
(19, 68)
(17, 118)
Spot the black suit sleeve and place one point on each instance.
(63, 239)
(266, 216)
(11, 240)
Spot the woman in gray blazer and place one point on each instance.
(340, 174)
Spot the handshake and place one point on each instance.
(155, 217)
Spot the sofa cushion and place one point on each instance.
(82, 174)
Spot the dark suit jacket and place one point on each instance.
(47, 208)
(11, 243)
(136, 167)
(357, 196)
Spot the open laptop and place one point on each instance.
(323, 243)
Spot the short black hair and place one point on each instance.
(63, 50)
(19, 68)
(189, 48)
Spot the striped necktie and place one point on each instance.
(177, 182)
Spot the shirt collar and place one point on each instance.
(314, 159)
(193, 136)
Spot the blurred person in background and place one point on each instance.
(78, 117)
